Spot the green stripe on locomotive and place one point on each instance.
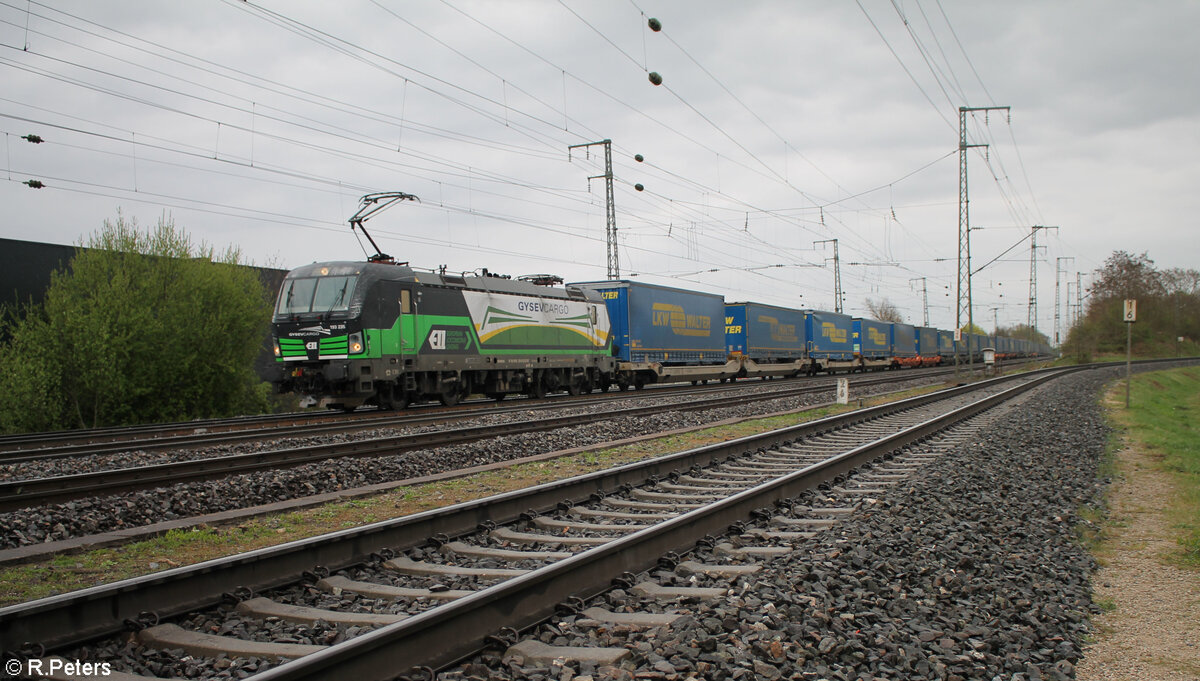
(410, 336)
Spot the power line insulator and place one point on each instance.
(655, 78)
(32, 139)
(639, 158)
(34, 184)
(655, 24)
(638, 187)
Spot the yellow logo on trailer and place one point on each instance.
(785, 333)
(832, 332)
(680, 323)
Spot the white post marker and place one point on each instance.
(843, 391)
(1130, 318)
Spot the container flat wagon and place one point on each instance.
(927, 346)
(769, 340)
(664, 335)
(904, 345)
(872, 343)
(946, 345)
(830, 341)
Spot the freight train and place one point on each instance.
(381, 333)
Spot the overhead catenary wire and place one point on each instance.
(724, 229)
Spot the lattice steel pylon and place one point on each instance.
(837, 274)
(1033, 314)
(963, 285)
(924, 296)
(610, 206)
(1058, 272)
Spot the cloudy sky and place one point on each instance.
(778, 125)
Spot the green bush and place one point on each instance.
(142, 326)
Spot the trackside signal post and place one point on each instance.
(1130, 318)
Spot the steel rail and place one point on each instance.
(40, 446)
(444, 635)
(76, 617)
(16, 494)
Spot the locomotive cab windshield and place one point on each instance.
(317, 290)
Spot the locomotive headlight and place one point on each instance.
(278, 352)
(356, 343)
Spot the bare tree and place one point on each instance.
(884, 310)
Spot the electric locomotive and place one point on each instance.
(383, 333)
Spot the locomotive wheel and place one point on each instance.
(574, 388)
(499, 397)
(394, 402)
(538, 389)
(450, 396)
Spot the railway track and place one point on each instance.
(455, 577)
(214, 432)
(26, 493)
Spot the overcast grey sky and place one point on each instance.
(778, 124)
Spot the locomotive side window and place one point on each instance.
(406, 301)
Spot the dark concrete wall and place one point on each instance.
(25, 268)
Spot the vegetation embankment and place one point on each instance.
(142, 326)
(1168, 312)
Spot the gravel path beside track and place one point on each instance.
(90, 516)
(1153, 634)
(971, 570)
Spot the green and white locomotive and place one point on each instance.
(354, 333)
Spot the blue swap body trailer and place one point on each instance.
(946, 346)
(767, 339)
(872, 343)
(927, 346)
(665, 335)
(904, 341)
(830, 341)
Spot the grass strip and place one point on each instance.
(1164, 418)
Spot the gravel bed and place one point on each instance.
(91, 516)
(969, 570)
(41, 468)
